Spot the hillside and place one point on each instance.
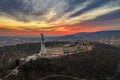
(91, 36)
(13, 52)
(103, 63)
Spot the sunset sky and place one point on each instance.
(58, 17)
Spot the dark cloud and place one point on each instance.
(93, 5)
(112, 15)
(6, 30)
(28, 10)
(15, 8)
(37, 29)
(73, 4)
(104, 18)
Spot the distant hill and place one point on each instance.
(102, 63)
(93, 36)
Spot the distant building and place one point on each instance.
(112, 41)
(54, 51)
(70, 48)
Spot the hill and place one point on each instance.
(102, 63)
(91, 36)
(13, 52)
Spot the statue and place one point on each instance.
(43, 49)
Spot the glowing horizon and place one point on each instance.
(58, 17)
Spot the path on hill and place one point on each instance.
(27, 59)
(65, 76)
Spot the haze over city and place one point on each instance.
(58, 17)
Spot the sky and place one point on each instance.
(58, 17)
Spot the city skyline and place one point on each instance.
(58, 17)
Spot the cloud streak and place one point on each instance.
(42, 15)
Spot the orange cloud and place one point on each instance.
(61, 30)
